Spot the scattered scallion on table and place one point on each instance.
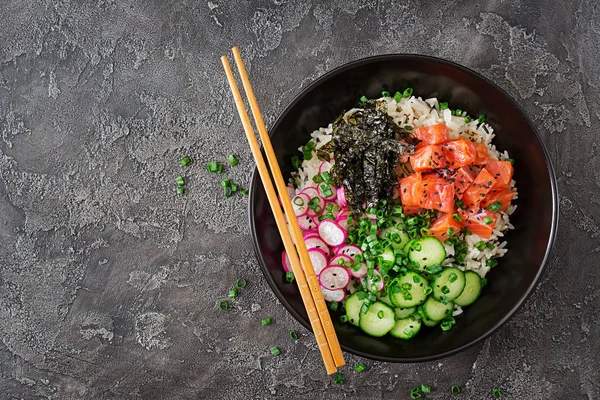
(293, 335)
(289, 276)
(266, 321)
(455, 390)
(360, 367)
(233, 292)
(275, 351)
(497, 393)
(232, 160)
(241, 282)
(339, 379)
(185, 161)
(224, 305)
(426, 388)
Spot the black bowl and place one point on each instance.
(535, 220)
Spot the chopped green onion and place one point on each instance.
(266, 321)
(450, 231)
(213, 166)
(275, 351)
(294, 335)
(408, 92)
(385, 94)
(443, 105)
(484, 282)
(244, 192)
(480, 245)
(180, 181)
(511, 161)
(445, 289)
(233, 292)
(415, 392)
(225, 183)
(408, 128)
(492, 262)
(344, 318)
(456, 217)
(224, 305)
(428, 290)
(468, 119)
(481, 119)
(364, 308)
(234, 188)
(363, 99)
(433, 269)
(380, 314)
(452, 278)
(495, 206)
(296, 163)
(327, 177)
(397, 97)
(416, 279)
(360, 367)
(289, 276)
(455, 390)
(362, 296)
(180, 190)
(426, 388)
(497, 393)
(232, 160)
(339, 378)
(488, 220)
(333, 306)
(241, 282)
(490, 245)
(458, 112)
(317, 178)
(185, 161)
(460, 204)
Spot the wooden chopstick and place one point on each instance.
(288, 244)
(313, 281)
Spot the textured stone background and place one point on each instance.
(108, 280)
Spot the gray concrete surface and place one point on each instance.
(108, 280)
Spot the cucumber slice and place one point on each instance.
(426, 321)
(426, 252)
(435, 310)
(448, 284)
(387, 256)
(471, 291)
(409, 290)
(378, 320)
(397, 237)
(406, 328)
(353, 305)
(402, 313)
(386, 298)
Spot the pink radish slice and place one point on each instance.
(333, 295)
(326, 188)
(324, 166)
(318, 259)
(362, 271)
(332, 233)
(291, 191)
(306, 223)
(334, 277)
(285, 261)
(300, 204)
(350, 250)
(341, 196)
(343, 222)
(316, 243)
(310, 233)
(351, 288)
(380, 284)
(313, 195)
(344, 259)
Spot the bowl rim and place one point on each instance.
(254, 181)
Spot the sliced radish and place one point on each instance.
(314, 196)
(332, 233)
(341, 259)
(350, 250)
(316, 243)
(327, 191)
(285, 261)
(312, 232)
(361, 272)
(379, 284)
(343, 222)
(318, 259)
(341, 196)
(324, 166)
(334, 277)
(300, 204)
(291, 191)
(333, 295)
(351, 288)
(306, 223)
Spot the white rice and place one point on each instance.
(416, 112)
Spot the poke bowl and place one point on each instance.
(427, 200)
